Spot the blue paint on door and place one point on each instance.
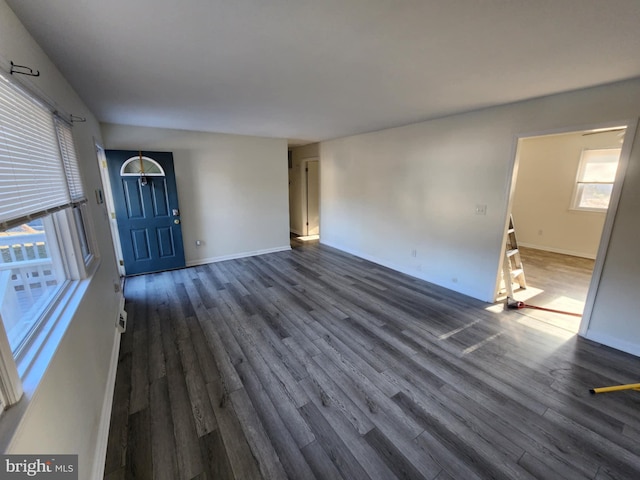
(150, 233)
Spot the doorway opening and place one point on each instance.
(564, 194)
(304, 198)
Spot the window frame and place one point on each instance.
(22, 369)
(579, 183)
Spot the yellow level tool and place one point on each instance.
(616, 388)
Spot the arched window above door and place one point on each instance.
(137, 166)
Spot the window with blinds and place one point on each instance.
(595, 178)
(38, 166)
(45, 246)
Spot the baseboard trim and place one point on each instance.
(563, 251)
(613, 342)
(105, 418)
(233, 256)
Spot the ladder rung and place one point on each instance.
(511, 230)
(517, 272)
(511, 253)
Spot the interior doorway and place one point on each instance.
(312, 198)
(564, 193)
(304, 195)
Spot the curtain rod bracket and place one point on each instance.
(23, 70)
(77, 119)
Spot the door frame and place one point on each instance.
(303, 172)
(110, 206)
(632, 125)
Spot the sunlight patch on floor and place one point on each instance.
(545, 327)
(308, 238)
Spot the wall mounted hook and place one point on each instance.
(23, 70)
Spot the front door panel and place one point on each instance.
(150, 233)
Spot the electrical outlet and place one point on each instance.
(121, 323)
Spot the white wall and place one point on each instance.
(386, 193)
(547, 169)
(63, 414)
(297, 201)
(232, 189)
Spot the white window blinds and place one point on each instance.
(33, 178)
(70, 161)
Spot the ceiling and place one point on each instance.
(310, 70)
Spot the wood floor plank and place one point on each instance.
(325, 391)
(224, 353)
(117, 440)
(195, 381)
(283, 441)
(392, 456)
(165, 463)
(320, 462)
(472, 450)
(241, 460)
(383, 412)
(139, 463)
(215, 461)
(140, 350)
(184, 427)
(332, 444)
(258, 439)
(312, 363)
(284, 394)
(344, 427)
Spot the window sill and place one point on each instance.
(35, 361)
(601, 211)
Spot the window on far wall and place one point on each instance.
(594, 181)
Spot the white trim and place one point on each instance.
(33, 368)
(607, 228)
(233, 256)
(10, 383)
(100, 455)
(631, 126)
(563, 251)
(613, 342)
(109, 204)
(304, 165)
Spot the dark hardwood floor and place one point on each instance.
(312, 363)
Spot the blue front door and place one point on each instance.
(147, 211)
